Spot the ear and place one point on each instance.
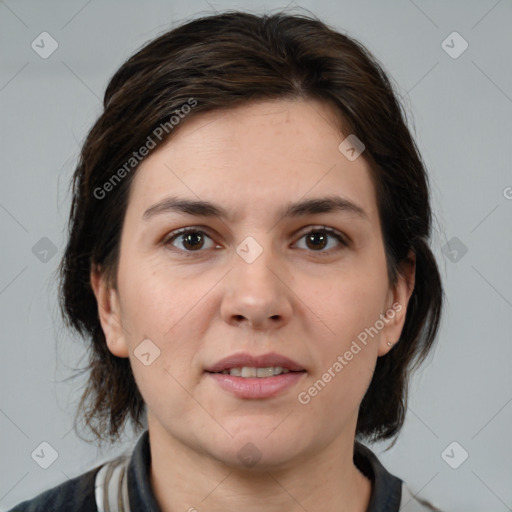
(396, 307)
(109, 312)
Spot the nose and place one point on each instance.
(256, 294)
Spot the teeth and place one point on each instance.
(266, 372)
(248, 371)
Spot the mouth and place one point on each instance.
(255, 372)
(248, 376)
(248, 365)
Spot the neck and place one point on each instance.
(183, 479)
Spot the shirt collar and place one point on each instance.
(386, 488)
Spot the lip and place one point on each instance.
(255, 387)
(261, 361)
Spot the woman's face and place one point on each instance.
(257, 274)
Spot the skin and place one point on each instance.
(305, 301)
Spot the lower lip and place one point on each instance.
(255, 387)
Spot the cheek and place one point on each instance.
(347, 304)
(155, 300)
(156, 312)
(163, 389)
(162, 307)
(345, 353)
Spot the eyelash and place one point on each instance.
(324, 229)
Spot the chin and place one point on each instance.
(257, 449)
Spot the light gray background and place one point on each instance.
(461, 110)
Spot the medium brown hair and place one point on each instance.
(223, 61)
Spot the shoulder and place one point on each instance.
(410, 503)
(76, 494)
(389, 492)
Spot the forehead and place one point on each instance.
(262, 155)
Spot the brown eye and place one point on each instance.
(316, 240)
(193, 240)
(188, 240)
(319, 238)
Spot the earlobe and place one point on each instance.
(109, 313)
(398, 301)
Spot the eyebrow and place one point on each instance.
(298, 209)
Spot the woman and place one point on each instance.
(248, 256)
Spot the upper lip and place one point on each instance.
(261, 361)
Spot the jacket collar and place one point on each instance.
(386, 488)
